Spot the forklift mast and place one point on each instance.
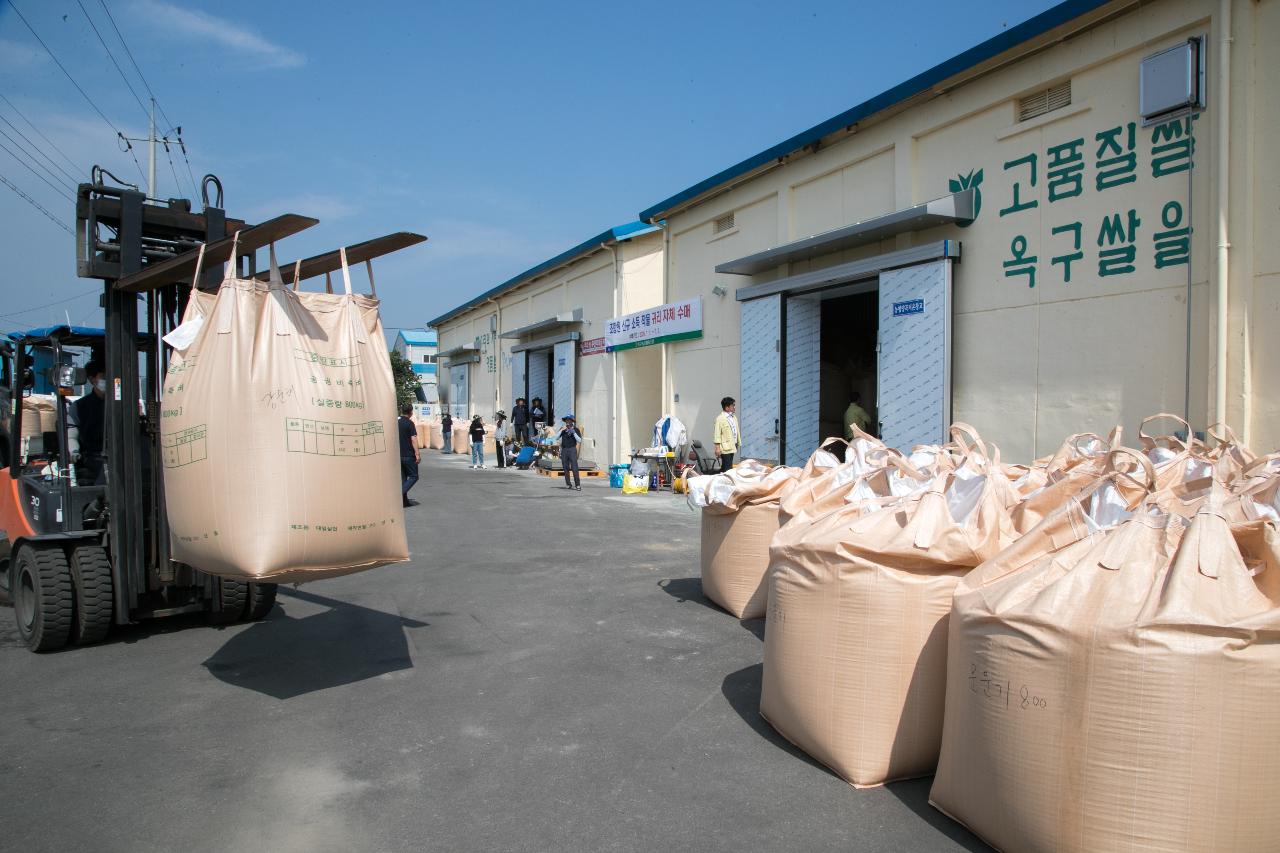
(119, 234)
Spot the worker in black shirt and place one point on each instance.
(89, 415)
(570, 441)
(537, 414)
(410, 455)
(520, 420)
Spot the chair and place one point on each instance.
(702, 460)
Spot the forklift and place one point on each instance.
(78, 557)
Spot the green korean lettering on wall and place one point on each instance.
(1120, 242)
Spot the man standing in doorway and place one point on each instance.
(520, 420)
(726, 436)
(857, 416)
(410, 455)
(537, 414)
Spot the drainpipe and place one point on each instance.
(497, 374)
(614, 442)
(1224, 198)
(666, 297)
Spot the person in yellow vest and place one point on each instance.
(727, 436)
(857, 416)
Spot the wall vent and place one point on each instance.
(1053, 98)
(723, 224)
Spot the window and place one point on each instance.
(1053, 98)
(723, 224)
(426, 359)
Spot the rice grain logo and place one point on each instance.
(972, 181)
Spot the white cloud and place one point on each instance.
(19, 56)
(260, 52)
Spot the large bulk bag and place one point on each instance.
(735, 557)
(855, 654)
(280, 447)
(39, 415)
(1117, 692)
(739, 517)
(436, 439)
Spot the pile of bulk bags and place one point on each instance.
(739, 518)
(1111, 679)
(1085, 647)
(855, 651)
(279, 439)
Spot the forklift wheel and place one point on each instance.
(42, 598)
(233, 596)
(262, 597)
(94, 605)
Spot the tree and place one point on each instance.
(406, 381)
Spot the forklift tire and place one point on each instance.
(94, 603)
(42, 597)
(262, 597)
(233, 597)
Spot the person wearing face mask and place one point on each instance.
(88, 413)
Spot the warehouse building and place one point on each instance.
(418, 347)
(545, 334)
(1066, 227)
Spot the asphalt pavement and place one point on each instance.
(544, 675)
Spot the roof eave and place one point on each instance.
(922, 84)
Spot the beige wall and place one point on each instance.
(616, 425)
(1032, 364)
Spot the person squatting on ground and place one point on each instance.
(410, 454)
(501, 435)
(570, 441)
(726, 436)
(446, 427)
(520, 420)
(476, 432)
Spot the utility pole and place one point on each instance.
(151, 165)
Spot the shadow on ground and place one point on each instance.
(284, 657)
(914, 794)
(742, 690)
(690, 589)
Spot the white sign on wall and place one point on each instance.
(678, 321)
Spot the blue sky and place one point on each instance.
(506, 132)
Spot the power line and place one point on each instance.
(112, 57)
(13, 314)
(27, 150)
(59, 190)
(79, 89)
(37, 205)
(31, 124)
(36, 148)
(141, 76)
(195, 189)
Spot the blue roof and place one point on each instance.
(62, 331)
(613, 235)
(417, 337)
(1010, 38)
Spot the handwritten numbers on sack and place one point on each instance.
(991, 687)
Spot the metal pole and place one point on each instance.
(151, 166)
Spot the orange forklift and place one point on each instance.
(78, 557)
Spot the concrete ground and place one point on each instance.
(544, 675)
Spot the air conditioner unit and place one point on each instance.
(1172, 81)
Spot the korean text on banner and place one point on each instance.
(677, 321)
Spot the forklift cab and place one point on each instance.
(52, 486)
